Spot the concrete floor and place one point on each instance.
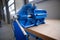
(6, 32)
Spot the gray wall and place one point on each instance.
(52, 7)
(19, 4)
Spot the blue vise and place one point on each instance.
(29, 16)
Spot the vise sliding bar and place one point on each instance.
(21, 27)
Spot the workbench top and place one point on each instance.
(48, 31)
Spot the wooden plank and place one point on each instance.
(48, 31)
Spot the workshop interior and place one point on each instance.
(29, 19)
